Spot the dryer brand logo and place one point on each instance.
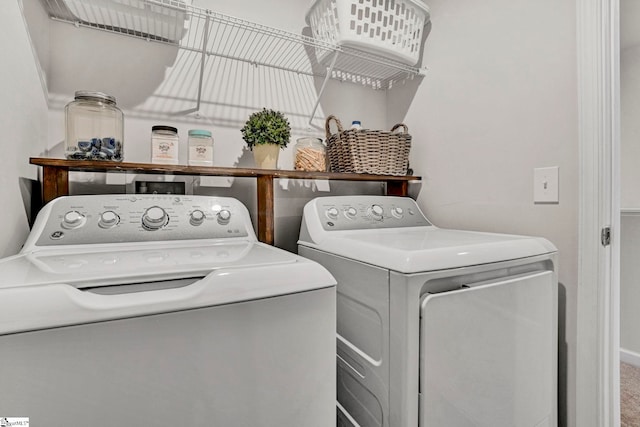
(14, 421)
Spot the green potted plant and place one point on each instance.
(265, 133)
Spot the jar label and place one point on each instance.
(165, 149)
(201, 153)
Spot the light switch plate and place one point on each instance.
(545, 185)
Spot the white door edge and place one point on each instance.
(597, 352)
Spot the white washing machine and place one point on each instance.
(437, 328)
(163, 310)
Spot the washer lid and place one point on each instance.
(58, 288)
(89, 267)
(428, 248)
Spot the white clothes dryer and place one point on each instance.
(436, 327)
(163, 310)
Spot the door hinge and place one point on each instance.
(605, 236)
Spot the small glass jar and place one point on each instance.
(164, 145)
(310, 155)
(200, 148)
(94, 127)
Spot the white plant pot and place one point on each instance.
(266, 155)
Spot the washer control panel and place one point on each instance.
(366, 212)
(118, 218)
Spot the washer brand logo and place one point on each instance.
(14, 421)
(56, 235)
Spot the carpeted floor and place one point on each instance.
(629, 395)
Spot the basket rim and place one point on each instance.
(418, 3)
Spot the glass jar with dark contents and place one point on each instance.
(94, 127)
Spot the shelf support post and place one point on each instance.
(55, 183)
(397, 188)
(324, 84)
(265, 209)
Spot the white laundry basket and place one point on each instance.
(161, 19)
(393, 28)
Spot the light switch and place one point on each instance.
(545, 185)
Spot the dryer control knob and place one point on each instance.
(332, 213)
(376, 212)
(351, 212)
(108, 219)
(73, 219)
(196, 217)
(224, 216)
(397, 212)
(154, 218)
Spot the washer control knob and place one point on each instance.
(196, 217)
(376, 212)
(397, 212)
(332, 213)
(224, 216)
(351, 212)
(108, 219)
(154, 218)
(73, 219)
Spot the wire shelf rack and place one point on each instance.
(211, 33)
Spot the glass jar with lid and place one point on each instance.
(310, 155)
(164, 145)
(200, 148)
(94, 127)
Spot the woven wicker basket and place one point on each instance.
(368, 151)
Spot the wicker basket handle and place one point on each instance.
(404, 127)
(328, 123)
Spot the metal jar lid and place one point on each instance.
(309, 140)
(164, 128)
(96, 96)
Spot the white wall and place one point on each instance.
(630, 125)
(629, 104)
(629, 175)
(499, 100)
(23, 120)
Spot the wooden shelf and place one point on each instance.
(55, 180)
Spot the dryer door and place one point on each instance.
(488, 354)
